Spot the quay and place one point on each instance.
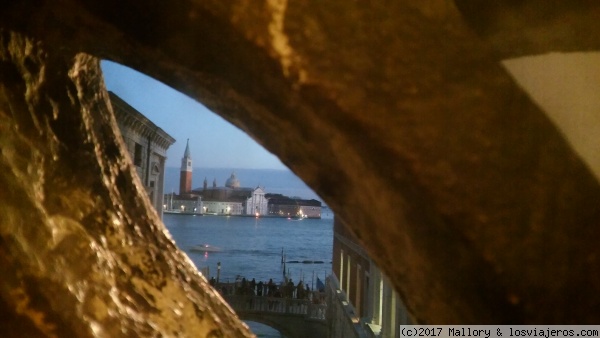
(293, 310)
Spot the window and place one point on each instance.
(358, 294)
(348, 276)
(137, 155)
(342, 269)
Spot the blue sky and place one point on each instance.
(214, 142)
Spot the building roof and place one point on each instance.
(232, 182)
(231, 199)
(285, 200)
(184, 197)
(186, 153)
(133, 119)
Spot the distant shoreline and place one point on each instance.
(277, 181)
(168, 212)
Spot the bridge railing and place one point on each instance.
(284, 306)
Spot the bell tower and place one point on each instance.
(185, 175)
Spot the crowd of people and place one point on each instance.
(267, 289)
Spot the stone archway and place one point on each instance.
(289, 327)
(483, 213)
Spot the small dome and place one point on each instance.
(232, 182)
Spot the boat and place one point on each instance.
(205, 248)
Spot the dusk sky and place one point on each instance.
(214, 142)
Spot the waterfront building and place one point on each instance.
(232, 199)
(147, 145)
(284, 206)
(361, 300)
(185, 204)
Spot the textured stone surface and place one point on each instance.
(83, 253)
(518, 28)
(397, 113)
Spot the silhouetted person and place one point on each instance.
(272, 287)
(242, 289)
(259, 290)
(300, 290)
(290, 289)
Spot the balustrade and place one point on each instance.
(284, 306)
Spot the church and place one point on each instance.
(231, 199)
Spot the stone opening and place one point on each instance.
(488, 202)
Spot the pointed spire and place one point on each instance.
(186, 160)
(187, 149)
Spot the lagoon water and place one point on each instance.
(252, 248)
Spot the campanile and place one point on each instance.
(185, 175)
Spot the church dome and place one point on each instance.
(232, 182)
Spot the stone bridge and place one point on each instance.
(292, 317)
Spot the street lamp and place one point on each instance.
(218, 271)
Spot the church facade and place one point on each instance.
(147, 145)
